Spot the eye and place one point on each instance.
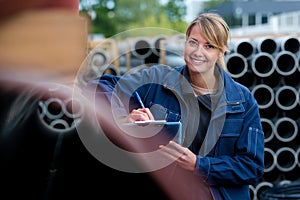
(209, 46)
(193, 43)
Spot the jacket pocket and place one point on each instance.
(229, 136)
(161, 113)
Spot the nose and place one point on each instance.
(199, 50)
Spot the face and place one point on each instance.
(199, 55)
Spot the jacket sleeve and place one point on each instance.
(238, 157)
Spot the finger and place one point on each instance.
(171, 151)
(148, 112)
(177, 146)
(138, 115)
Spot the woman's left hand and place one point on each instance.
(182, 155)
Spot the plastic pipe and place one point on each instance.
(248, 80)
(286, 97)
(262, 186)
(173, 60)
(269, 160)
(292, 79)
(98, 58)
(236, 64)
(288, 43)
(252, 192)
(286, 159)
(263, 64)
(73, 108)
(286, 63)
(157, 44)
(267, 45)
(286, 129)
(298, 156)
(175, 45)
(243, 47)
(54, 108)
(268, 128)
(264, 95)
(141, 48)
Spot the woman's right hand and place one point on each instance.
(140, 114)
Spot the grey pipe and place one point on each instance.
(298, 156)
(286, 159)
(263, 64)
(54, 108)
(73, 108)
(98, 58)
(266, 44)
(243, 47)
(141, 48)
(268, 128)
(288, 43)
(236, 64)
(156, 44)
(286, 97)
(269, 160)
(262, 186)
(286, 63)
(264, 95)
(286, 129)
(173, 60)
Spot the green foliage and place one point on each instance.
(110, 17)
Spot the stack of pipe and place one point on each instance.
(269, 67)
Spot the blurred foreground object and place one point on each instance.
(48, 41)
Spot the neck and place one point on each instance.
(202, 81)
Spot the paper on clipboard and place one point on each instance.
(174, 127)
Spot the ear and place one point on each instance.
(221, 53)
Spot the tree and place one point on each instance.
(110, 17)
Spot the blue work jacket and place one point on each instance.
(232, 154)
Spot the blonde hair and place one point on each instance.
(214, 29)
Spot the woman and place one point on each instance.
(223, 140)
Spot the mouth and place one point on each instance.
(195, 61)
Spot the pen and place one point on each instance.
(139, 99)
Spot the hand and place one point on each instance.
(140, 114)
(182, 155)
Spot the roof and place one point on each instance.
(250, 7)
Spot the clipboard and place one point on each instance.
(173, 129)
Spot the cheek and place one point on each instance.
(213, 57)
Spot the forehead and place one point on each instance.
(197, 34)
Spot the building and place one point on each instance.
(261, 17)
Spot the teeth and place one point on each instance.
(197, 61)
